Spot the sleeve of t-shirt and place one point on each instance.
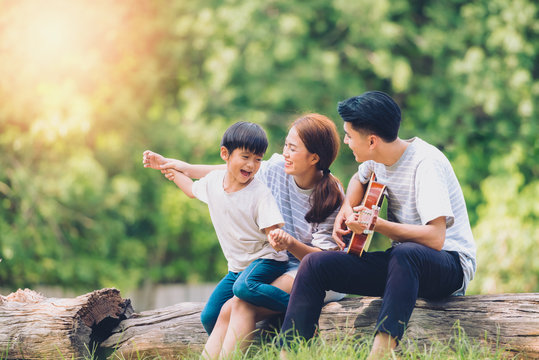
(264, 173)
(200, 188)
(364, 171)
(323, 233)
(268, 213)
(432, 194)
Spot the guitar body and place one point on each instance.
(374, 196)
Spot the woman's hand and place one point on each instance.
(153, 160)
(280, 239)
(157, 161)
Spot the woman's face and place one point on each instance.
(298, 160)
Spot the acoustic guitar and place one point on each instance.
(374, 196)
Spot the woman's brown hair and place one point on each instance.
(319, 135)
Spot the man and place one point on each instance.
(433, 251)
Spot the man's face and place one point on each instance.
(358, 142)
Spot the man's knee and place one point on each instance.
(409, 253)
(311, 261)
(316, 267)
(408, 249)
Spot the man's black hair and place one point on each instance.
(374, 112)
(245, 135)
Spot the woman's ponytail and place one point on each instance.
(320, 136)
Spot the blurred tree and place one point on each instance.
(87, 86)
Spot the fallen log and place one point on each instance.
(35, 327)
(510, 320)
(164, 333)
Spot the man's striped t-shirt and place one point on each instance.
(422, 186)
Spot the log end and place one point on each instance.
(103, 310)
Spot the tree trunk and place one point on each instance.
(512, 320)
(35, 327)
(165, 332)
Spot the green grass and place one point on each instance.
(459, 346)
(350, 347)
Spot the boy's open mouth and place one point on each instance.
(245, 173)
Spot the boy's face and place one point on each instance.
(358, 142)
(241, 164)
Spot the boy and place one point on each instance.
(243, 213)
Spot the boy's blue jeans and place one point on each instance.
(251, 285)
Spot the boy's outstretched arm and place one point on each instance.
(183, 182)
(159, 162)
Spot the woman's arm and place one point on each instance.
(159, 162)
(281, 240)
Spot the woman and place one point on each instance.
(309, 198)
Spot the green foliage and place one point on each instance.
(507, 232)
(79, 106)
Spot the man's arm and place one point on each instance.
(354, 194)
(432, 234)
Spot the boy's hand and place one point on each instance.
(280, 239)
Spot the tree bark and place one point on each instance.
(511, 320)
(166, 332)
(35, 327)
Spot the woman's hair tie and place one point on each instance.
(326, 171)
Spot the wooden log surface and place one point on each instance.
(165, 332)
(35, 327)
(512, 320)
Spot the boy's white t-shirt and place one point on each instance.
(239, 219)
(422, 186)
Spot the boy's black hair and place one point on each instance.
(245, 135)
(374, 112)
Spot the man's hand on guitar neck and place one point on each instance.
(362, 219)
